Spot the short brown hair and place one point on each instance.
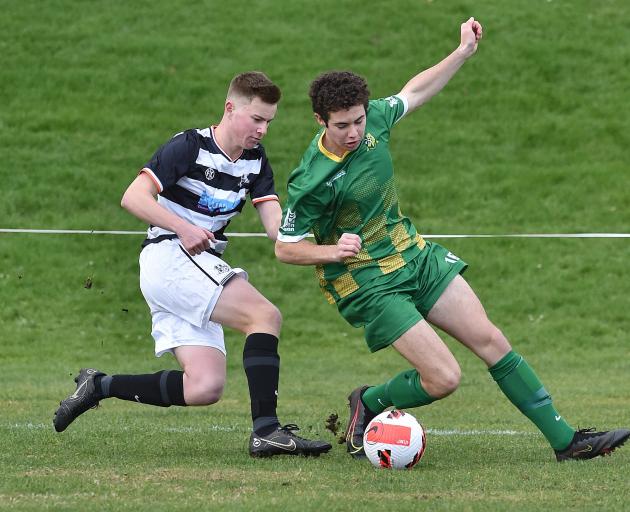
(338, 90)
(255, 84)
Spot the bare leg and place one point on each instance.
(242, 307)
(204, 373)
(459, 313)
(429, 355)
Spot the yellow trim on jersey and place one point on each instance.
(327, 153)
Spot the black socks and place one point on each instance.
(163, 388)
(262, 367)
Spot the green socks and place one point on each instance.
(523, 388)
(403, 391)
(513, 375)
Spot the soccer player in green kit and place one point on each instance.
(385, 277)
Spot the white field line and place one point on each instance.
(239, 428)
(251, 235)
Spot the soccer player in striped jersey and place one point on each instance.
(188, 192)
(383, 276)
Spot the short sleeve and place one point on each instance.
(306, 205)
(263, 187)
(392, 109)
(174, 159)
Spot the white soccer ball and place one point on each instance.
(394, 439)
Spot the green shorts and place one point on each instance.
(390, 305)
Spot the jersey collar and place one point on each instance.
(224, 153)
(327, 153)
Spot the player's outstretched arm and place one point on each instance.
(422, 87)
(308, 253)
(139, 200)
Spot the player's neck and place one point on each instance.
(222, 138)
(331, 147)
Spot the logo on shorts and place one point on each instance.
(222, 268)
(210, 173)
(451, 258)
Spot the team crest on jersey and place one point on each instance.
(244, 181)
(210, 173)
(369, 141)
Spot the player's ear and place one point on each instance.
(319, 119)
(229, 106)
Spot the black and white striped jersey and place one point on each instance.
(197, 181)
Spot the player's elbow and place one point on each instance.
(272, 234)
(285, 253)
(281, 252)
(124, 200)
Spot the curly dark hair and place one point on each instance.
(338, 90)
(255, 84)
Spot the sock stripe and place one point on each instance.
(105, 382)
(538, 399)
(265, 421)
(249, 362)
(163, 388)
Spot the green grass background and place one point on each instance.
(531, 136)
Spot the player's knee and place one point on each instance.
(210, 393)
(265, 317)
(497, 340)
(443, 384)
(275, 317)
(204, 390)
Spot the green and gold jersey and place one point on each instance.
(329, 196)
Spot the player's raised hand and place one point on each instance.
(471, 33)
(348, 245)
(195, 239)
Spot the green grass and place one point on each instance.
(529, 137)
(129, 457)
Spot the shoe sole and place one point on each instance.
(617, 444)
(300, 453)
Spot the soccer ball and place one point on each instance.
(394, 439)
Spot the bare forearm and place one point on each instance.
(422, 87)
(305, 253)
(271, 216)
(146, 208)
(308, 253)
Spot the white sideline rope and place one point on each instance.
(244, 428)
(252, 235)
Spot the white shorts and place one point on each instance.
(181, 291)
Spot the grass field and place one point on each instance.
(531, 136)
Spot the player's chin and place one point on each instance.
(252, 143)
